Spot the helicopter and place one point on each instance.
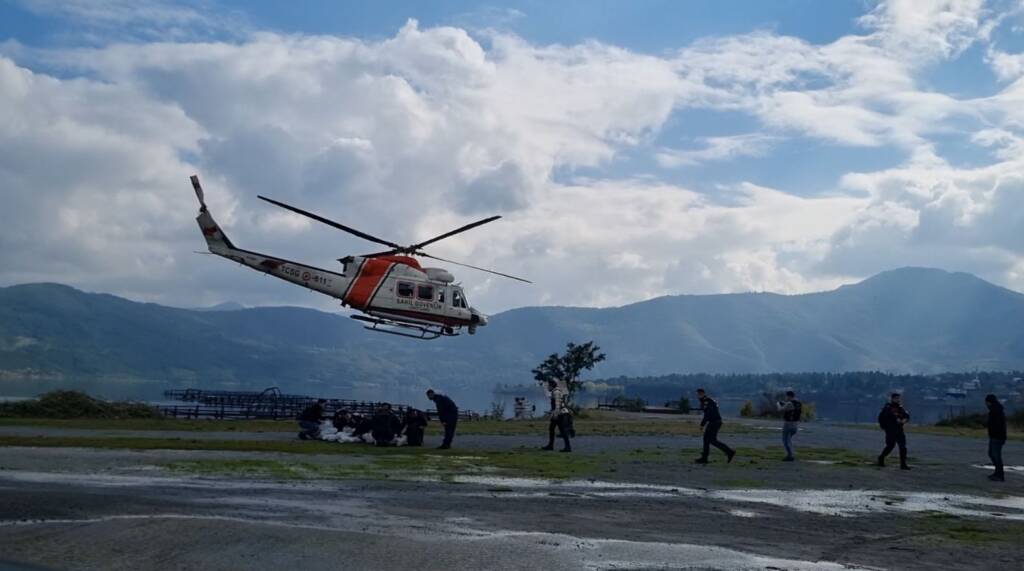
(391, 290)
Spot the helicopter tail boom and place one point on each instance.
(317, 279)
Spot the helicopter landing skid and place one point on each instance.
(426, 332)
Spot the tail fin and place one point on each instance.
(216, 240)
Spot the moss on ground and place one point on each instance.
(155, 424)
(970, 532)
(1013, 434)
(773, 454)
(595, 423)
(411, 465)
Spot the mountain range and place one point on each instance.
(907, 320)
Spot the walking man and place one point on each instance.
(561, 417)
(711, 423)
(447, 414)
(791, 410)
(892, 418)
(996, 436)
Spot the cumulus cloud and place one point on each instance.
(933, 28)
(412, 135)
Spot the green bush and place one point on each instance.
(810, 412)
(767, 407)
(75, 404)
(747, 410)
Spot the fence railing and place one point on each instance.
(270, 404)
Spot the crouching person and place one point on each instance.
(414, 425)
(561, 418)
(342, 419)
(309, 420)
(386, 426)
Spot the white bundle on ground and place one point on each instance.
(346, 435)
(328, 432)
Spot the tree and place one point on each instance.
(747, 410)
(568, 366)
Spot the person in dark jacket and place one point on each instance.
(711, 423)
(361, 425)
(310, 419)
(414, 424)
(342, 419)
(386, 426)
(892, 418)
(791, 410)
(561, 418)
(447, 414)
(996, 436)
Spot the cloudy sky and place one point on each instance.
(635, 149)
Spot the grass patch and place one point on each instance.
(404, 465)
(1012, 434)
(595, 423)
(520, 462)
(144, 443)
(76, 404)
(946, 527)
(156, 424)
(774, 454)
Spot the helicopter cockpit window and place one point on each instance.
(425, 292)
(457, 299)
(405, 289)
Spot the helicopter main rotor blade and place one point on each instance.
(331, 223)
(416, 247)
(425, 255)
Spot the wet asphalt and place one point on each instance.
(68, 508)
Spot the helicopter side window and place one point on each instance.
(425, 292)
(457, 300)
(405, 289)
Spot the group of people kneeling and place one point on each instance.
(383, 428)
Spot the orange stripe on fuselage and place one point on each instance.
(370, 276)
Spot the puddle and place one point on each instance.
(608, 554)
(743, 513)
(559, 549)
(990, 467)
(839, 503)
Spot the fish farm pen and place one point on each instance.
(269, 404)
